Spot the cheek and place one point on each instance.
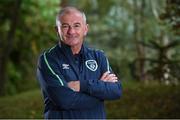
(82, 32)
(63, 32)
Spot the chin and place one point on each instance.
(73, 43)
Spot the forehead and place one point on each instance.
(71, 16)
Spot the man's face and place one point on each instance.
(73, 28)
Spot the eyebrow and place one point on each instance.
(77, 23)
(64, 24)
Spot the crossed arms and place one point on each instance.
(75, 95)
(106, 77)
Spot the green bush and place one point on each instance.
(24, 105)
(137, 101)
(142, 101)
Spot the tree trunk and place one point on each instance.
(2, 74)
(138, 36)
(7, 47)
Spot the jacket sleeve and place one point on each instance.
(100, 89)
(54, 85)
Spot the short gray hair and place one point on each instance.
(66, 10)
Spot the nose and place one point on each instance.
(71, 30)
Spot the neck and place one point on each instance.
(76, 49)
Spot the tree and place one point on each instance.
(26, 29)
(172, 15)
(11, 16)
(162, 66)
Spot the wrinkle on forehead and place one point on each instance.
(70, 10)
(71, 18)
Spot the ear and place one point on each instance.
(58, 31)
(56, 28)
(86, 29)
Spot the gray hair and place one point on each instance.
(66, 10)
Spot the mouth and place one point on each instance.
(71, 37)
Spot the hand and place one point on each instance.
(74, 85)
(109, 77)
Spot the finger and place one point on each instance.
(113, 81)
(104, 75)
(110, 76)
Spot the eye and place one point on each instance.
(65, 26)
(77, 25)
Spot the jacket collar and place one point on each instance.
(67, 49)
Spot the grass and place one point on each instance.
(138, 101)
(24, 105)
(146, 101)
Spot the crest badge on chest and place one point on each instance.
(91, 65)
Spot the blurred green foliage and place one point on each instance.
(116, 26)
(24, 105)
(153, 101)
(34, 33)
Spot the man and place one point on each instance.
(75, 79)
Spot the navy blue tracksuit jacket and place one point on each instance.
(58, 65)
